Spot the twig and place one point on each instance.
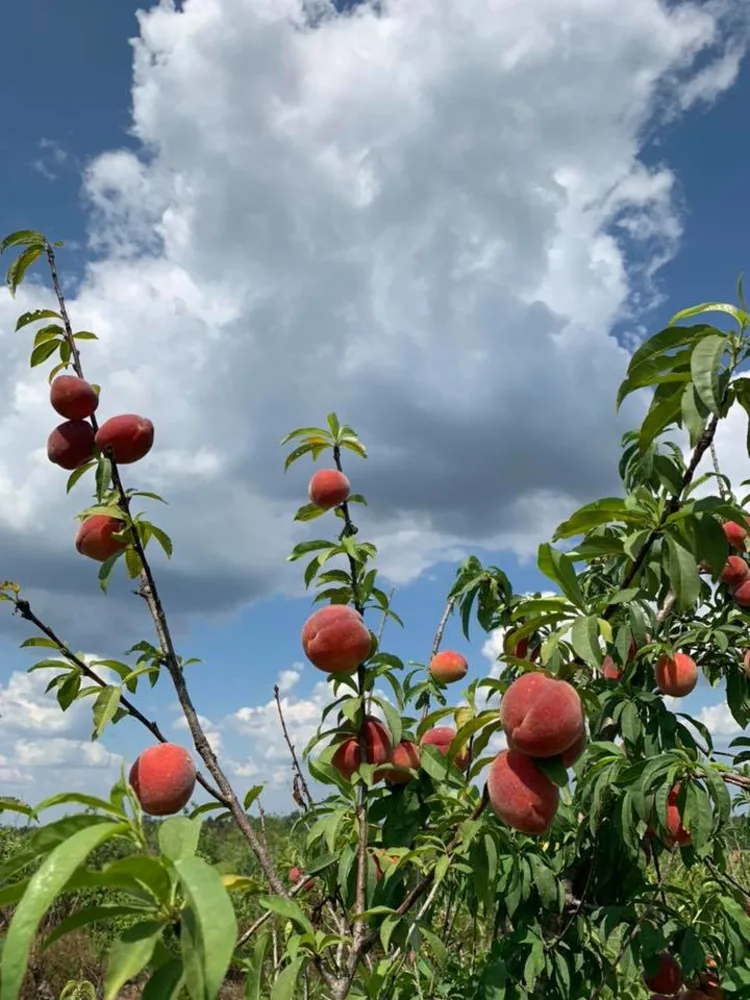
(298, 775)
(25, 611)
(730, 878)
(719, 478)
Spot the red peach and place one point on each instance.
(676, 676)
(667, 978)
(72, 397)
(520, 794)
(610, 669)
(735, 571)
(348, 757)
(746, 663)
(448, 667)
(129, 436)
(735, 534)
(575, 750)
(519, 647)
(295, 874)
(709, 984)
(441, 737)
(95, 537)
(163, 779)
(328, 488)
(541, 716)
(71, 444)
(741, 594)
(406, 754)
(676, 832)
(335, 639)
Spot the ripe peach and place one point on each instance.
(667, 978)
(519, 647)
(94, 538)
(610, 669)
(735, 571)
(442, 737)
(676, 833)
(541, 716)
(382, 858)
(335, 639)
(163, 779)
(71, 444)
(129, 436)
(348, 757)
(746, 663)
(741, 594)
(406, 754)
(676, 676)
(328, 488)
(574, 751)
(73, 397)
(521, 795)
(295, 874)
(448, 667)
(735, 535)
(709, 985)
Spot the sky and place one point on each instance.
(448, 223)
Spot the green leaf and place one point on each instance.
(21, 264)
(43, 888)
(163, 539)
(43, 351)
(741, 388)
(705, 364)
(288, 909)
(558, 567)
(85, 335)
(584, 637)
(105, 706)
(77, 473)
(694, 414)
(178, 837)
(683, 574)
(22, 237)
(664, 411)
(90, 915)
(167, 982)
(254, 981)
(130, 955)
(215, 923)
(667, 340)
(35, 315)
(592, 515)
(723, 307)
(286, 983)
(251, 796)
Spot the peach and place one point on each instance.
(677, 675)
(328, 488)
(667, 978)
(519, 647)
(72, 397)
(676, 833)
(521, 795)
(709, 984)
(381, 857)
(442, 737)
(95, 537)
(448, 667)
(575, 750)
(741, 594)
(348, 757)
(335, 639)
(541, 716)
(735, 534)
(746, 663)
(129, 436)
(71, 444)
(610, 669)
(406, 754)
(163, 779)
(295, 874)
(735, 571)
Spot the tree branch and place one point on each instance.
(298, 775)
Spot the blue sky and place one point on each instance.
(71, 68)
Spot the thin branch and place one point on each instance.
(299, 777)
(438, 639)
(24, 609)
(730, 878)
(719, 478)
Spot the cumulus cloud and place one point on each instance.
(718, 720)
(422, 215)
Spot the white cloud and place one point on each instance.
(211, 731)
(718, 720)
(426, 218)
(288, 678)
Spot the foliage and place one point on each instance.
(418, 889)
